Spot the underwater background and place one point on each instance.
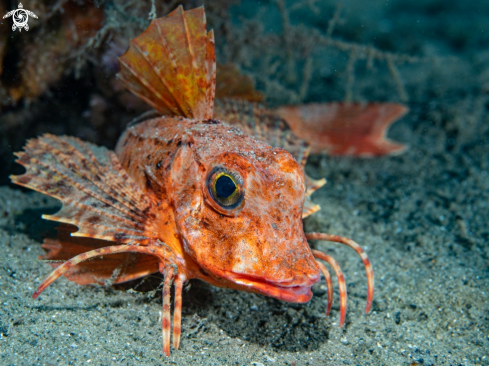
(421, 216)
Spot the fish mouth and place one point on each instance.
(290, 293)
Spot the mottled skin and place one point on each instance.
(258, 247)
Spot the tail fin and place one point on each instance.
(355, 129)
(172, 66)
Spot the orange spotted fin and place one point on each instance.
(171, 65)
(97, 194)
(354, 129)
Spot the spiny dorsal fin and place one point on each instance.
(171, 65)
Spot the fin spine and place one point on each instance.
(182, 105)
(97, 194)
(171, 65)
(110, 192)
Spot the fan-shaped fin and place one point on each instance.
(355, 129)
(171, 65)
(116, 268)
(97, 194)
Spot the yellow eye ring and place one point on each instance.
(225, 188)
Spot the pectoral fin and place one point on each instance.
(115, 268)
(97, 194)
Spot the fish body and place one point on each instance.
(258, 246)
(185, 194)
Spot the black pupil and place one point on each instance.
(225, 186)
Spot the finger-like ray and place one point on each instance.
(361, 253)
(165, 317)
(329, 284)
(177, 312)
(61, 270)
(341, 282)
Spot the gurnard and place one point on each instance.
(209, 191)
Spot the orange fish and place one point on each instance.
(185, 194)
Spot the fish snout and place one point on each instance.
(294, 270)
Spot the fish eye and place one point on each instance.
(225, 188)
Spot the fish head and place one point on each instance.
(239, 213)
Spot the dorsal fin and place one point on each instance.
(171, 65)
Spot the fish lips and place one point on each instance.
(290, 293)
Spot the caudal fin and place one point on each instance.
(353, 129)
(171, 65)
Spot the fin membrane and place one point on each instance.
(97, 194)
(171, 65)
(354, 129)
(114, 268)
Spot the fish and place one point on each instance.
(213, 190)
